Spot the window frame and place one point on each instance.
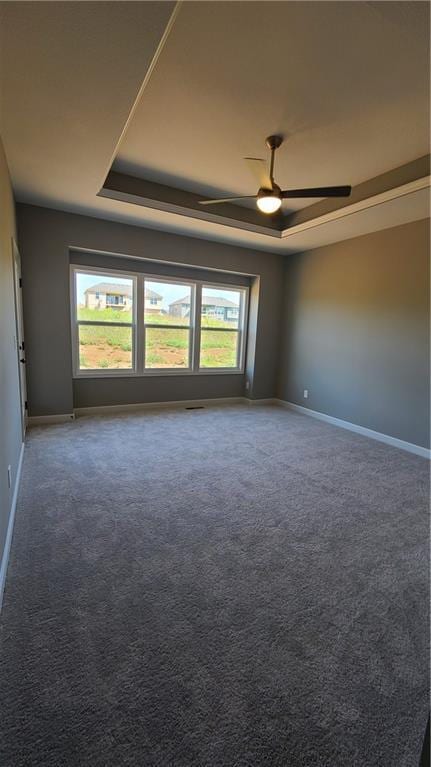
(241, 329)
(101, 372)
(191, 327)
(138, 326)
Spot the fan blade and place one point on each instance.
(227, 199)
(318, 191)
(259, 168)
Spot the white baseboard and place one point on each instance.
(9, 533)
(36, 420)
(102, 409)
(386, 438)
(130, 407)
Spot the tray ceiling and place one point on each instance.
(345, 83)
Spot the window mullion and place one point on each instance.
(107, 324)
(239, 350)
(197, 305)
(75, 323)
(244, 326)
(140, 323)
(161, 325)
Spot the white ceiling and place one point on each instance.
(69, 76)
(347, 83)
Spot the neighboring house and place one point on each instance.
(153, 302)
(106, 295)
(216, 307)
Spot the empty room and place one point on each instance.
(214, 383)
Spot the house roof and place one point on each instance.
(152, 294)
(122, 290)
(207, 301)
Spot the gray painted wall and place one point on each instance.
(46, 239)
(356, 331)
(10, 415)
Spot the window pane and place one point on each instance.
(167, 303)
(104, 298)
(219, 349)
(105, 347)
(166, 348)
(220, 308)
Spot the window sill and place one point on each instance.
(157, 373)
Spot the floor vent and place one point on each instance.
(195, 407)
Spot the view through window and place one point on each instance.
(220, 322)
(134, 323)
(168, 308)
(104, 308)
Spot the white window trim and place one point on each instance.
(102, 372)
(193, 289)
(138, 328)
(241, 329)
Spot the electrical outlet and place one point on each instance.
(9, 476)
(305, 393)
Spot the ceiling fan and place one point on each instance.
(269, 195)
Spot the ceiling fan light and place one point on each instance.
(269, 203)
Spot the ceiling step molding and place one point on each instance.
(392, 207)
(410, 188)
(149, 194)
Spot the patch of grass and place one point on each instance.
(154, 359)
(176, 339)
(212, 340)
(103, 364)
(166, 319)
(177, 343)
(104, 315)
(218, 350)
(116, 336)
(210, 322)
(221, 359)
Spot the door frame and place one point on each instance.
(19, 334)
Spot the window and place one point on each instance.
(221, 329)
(104, 326)
(168, 340)
(134, 324)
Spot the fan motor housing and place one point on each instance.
(274, 192)
(273, 142)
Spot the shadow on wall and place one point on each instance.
(356, 331)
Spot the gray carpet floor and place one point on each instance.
(228, 587)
